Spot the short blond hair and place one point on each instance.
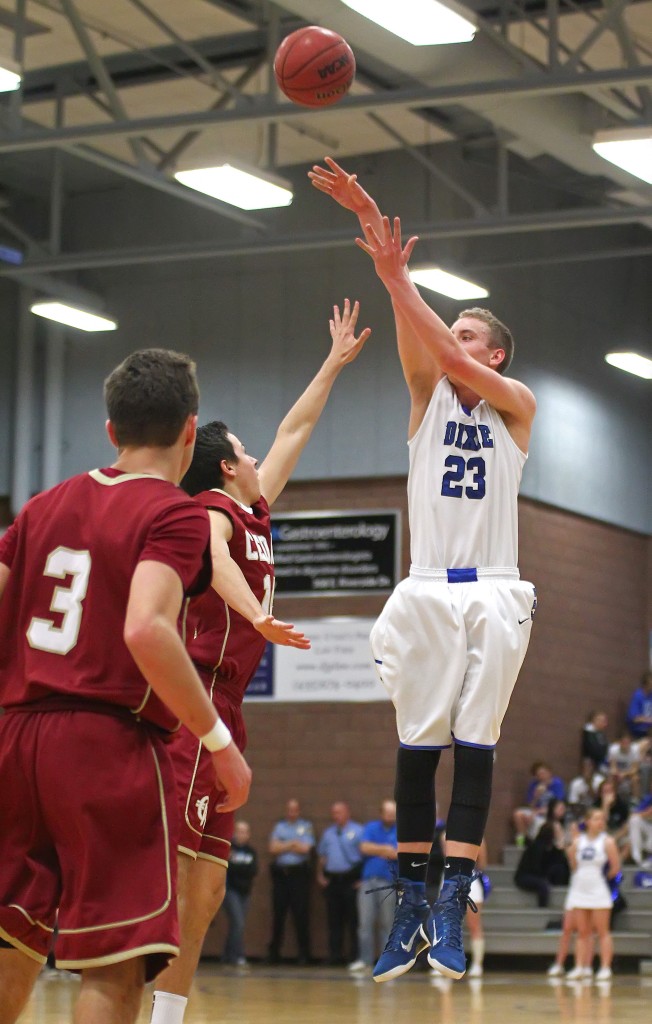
(500, 335)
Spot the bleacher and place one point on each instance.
(514, 924)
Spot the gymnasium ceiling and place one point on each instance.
(118, 92)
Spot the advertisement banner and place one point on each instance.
(318, 554)
(338, 667)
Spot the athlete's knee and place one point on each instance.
(414, 792)
(471, 795)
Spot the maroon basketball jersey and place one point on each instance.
(217, 636)
(72, 553)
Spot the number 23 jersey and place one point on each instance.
(218, 637)
(465, 472)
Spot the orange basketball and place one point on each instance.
(314, 66)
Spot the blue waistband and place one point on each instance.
(462, 575)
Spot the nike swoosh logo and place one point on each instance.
(408, 946)
(418, 864)
(521, 621)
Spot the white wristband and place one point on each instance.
(218, 738)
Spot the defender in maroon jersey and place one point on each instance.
(93, 675)
(227, 629)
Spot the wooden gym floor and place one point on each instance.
(278, 995)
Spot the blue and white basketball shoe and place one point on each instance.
(406, 939)
(443, 929)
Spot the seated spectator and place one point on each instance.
(583, 789)
(542, 788)
(640, 833)
(616, 813)
(542, 864)
(624, 767)
(594, 739)
(639, 712)
(561, 819)
(644, 752)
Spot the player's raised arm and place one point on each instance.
(230, 583)
(150, 633)
(511, 398)
(419, 367)
(297, 426)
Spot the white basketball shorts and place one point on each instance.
(449, 654)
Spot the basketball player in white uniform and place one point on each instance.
(451, 639)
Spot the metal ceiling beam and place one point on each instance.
(618, 253)
(553, 220)
(139, 67)
(478, 208)
(152, 178)
(607, 20)
(104, 79)
(218, 80)
(264, 112)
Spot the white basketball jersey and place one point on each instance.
(463, 482)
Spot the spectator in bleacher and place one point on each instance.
(624, 767)
(639, 712)
(594, 739)
(644, 751)
(542, 788)
(616, 812)
(640, 833)
(543, 861)
(583, 789)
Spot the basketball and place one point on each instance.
(314, 66)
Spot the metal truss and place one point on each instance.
(567, 71)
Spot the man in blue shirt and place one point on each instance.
(639, 712)
(291, 844)
(375, 911)
(338, 872)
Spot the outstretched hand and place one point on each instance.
(345, 344)
(282, 633)
(343, 187)
(386, 249)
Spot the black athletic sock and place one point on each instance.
(413, 866)
(458, 866)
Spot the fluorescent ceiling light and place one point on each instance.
(248, 190)
(9, 79)
(447, 284)
(420, 22)
(72, 316)
(632, 362)
(629, 148)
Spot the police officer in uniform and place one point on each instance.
(291, 844)
(338, 873)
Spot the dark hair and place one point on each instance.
(500, 336)
(211, 446)
(149, 397)
(552, 803)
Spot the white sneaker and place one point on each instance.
(604, 974)
(474, 971)
(358, 967)
(555, 971)
(577, 974)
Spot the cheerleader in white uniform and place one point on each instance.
(593, 858)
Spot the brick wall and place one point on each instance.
(588, 649)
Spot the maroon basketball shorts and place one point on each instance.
(87, 828)
(205, 831)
